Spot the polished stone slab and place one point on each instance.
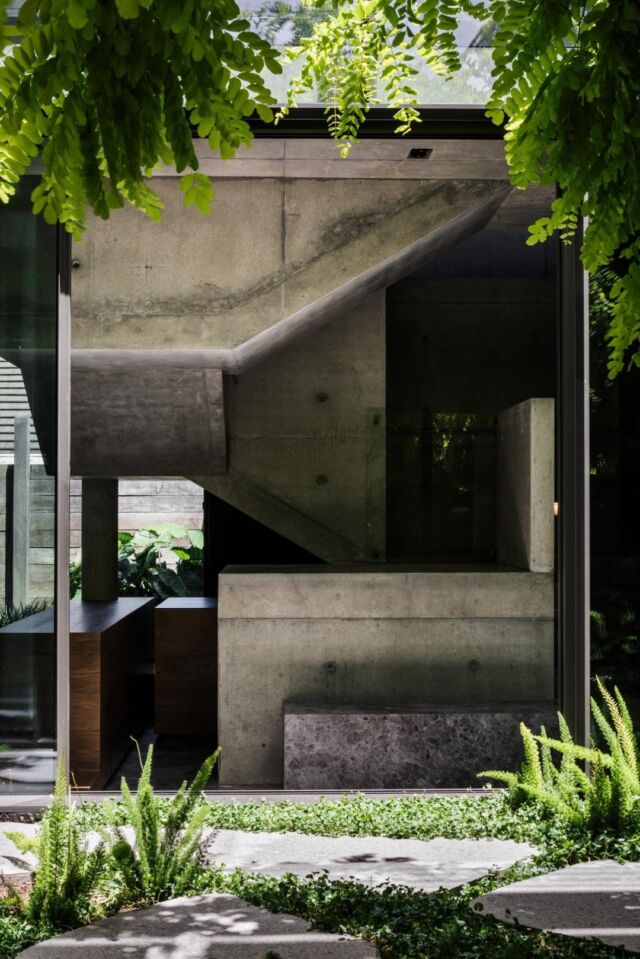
(592, 900)
(201, 927)
(404, 747)
(370, 860)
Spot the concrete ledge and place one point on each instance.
(418, 746)
(320, 592)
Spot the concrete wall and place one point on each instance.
(269, 247)
(525, 485)
(374, 637)
(307, 439)
(146, 422)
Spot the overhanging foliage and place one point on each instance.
(109, 89)
(566, 80)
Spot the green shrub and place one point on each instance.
(167, 855)
(596, 788)
(67, 875)
(142, 566)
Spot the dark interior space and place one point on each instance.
(470, 334)
(234, 539)
(615, 514)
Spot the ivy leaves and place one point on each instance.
(107, 91)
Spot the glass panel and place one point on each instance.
(615, 512)
(27, 496)
(375, 448)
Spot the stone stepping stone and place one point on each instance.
(201, 927)
(592, 900)
(371, 860)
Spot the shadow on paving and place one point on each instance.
(201, 927)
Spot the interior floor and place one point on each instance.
(175, 759)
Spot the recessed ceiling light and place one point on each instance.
(420, 153)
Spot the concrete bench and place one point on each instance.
(422, 746)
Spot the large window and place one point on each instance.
(28, 430)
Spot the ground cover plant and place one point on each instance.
(403, 923)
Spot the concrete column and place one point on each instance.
(525, 485)
(21, 509)
(99, 539)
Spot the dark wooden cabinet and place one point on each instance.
(106, 659)
(186, 667)
(109, 648)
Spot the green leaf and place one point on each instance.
(76, 14)
(265, 114)
(128, 9)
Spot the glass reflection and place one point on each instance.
(27, 496)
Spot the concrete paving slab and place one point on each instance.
(201, 927)
(370, 860)
(592, 900)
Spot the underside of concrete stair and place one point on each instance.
(143, 410)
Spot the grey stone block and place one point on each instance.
(592, 900)
(396, 747)
(201, 927)
(370, 860)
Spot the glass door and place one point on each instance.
(28, 467)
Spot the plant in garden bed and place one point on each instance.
(594, 788)
(68, 875)
(403, 923)
(167, 853)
